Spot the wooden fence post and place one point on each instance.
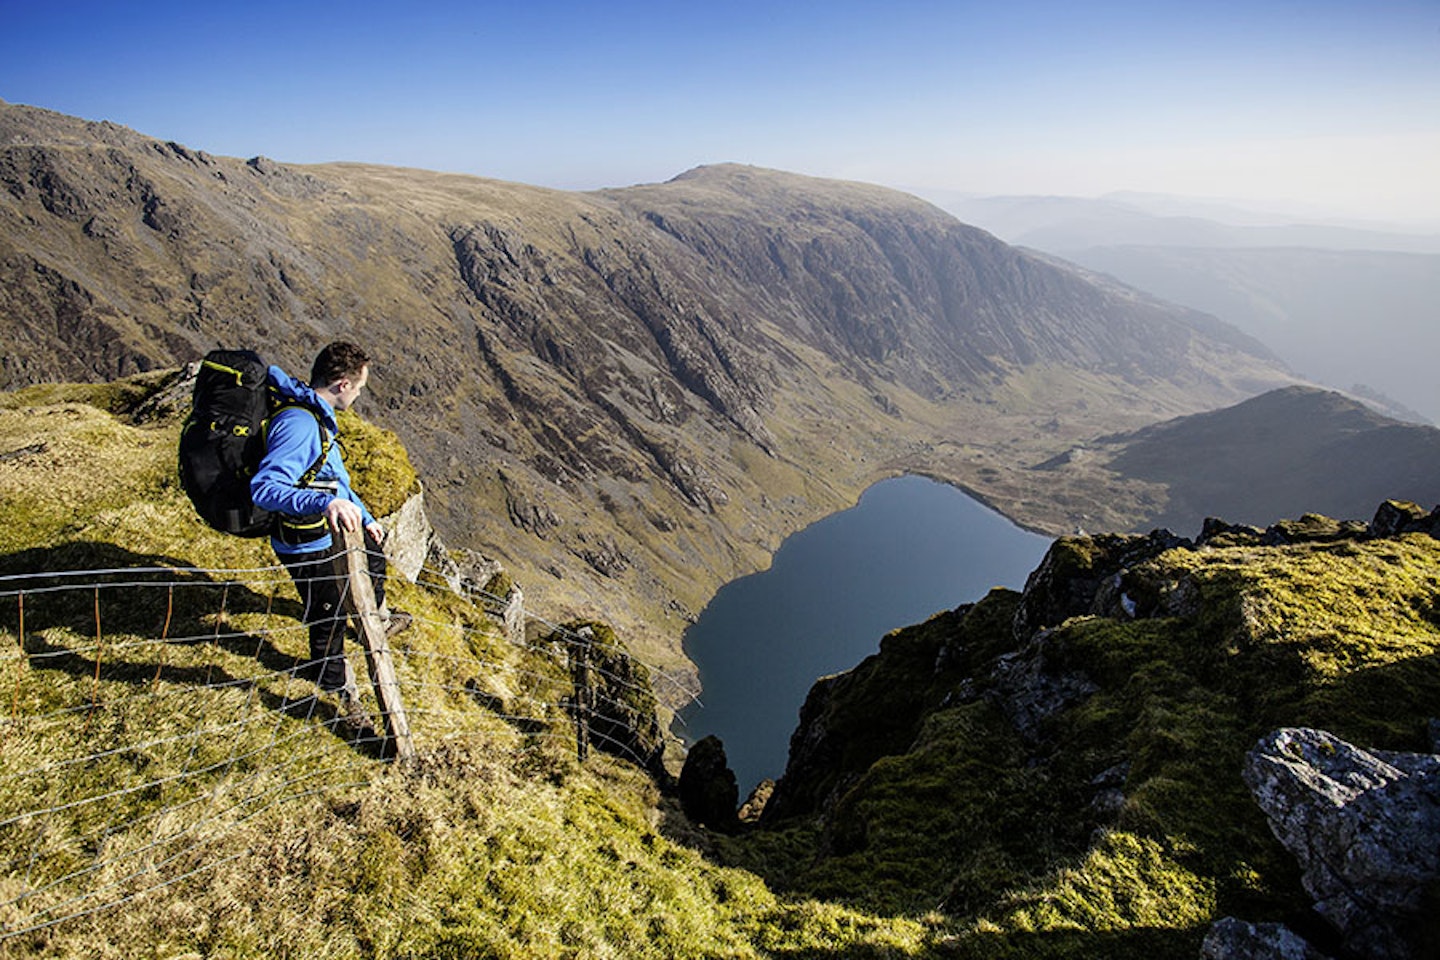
(584, 699)
(360, 605)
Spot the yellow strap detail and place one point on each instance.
(302, 526)
(239, 377)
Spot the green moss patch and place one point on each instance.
(379, 465)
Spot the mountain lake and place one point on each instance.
(909, 549)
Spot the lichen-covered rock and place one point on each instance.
(1075, 572)
(1217, 532)
(754, 806)
(1312, 528)
(1029, 688)
(409, 537)
(1395, 517)
(1365, 827)
(1231, 939)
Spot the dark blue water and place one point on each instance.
(911, 548)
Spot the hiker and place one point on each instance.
(303, 479)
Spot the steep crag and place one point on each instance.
(1081, 745)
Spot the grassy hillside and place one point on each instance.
(166, 789)
(193, 802)
(1299, 450)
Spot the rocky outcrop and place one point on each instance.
(754, 806)
(1397, 517)
(708, 790)
(815, 769)
(1109, 574)
(1080, 576)
(410, 540)
(1028, 679)
(1363, 825)
(1030, 688)
(1231, 939)
(1128, 665)
(484, 581)
(615, 703)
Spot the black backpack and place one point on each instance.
(223, 441)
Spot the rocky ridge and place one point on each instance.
(1105, 721)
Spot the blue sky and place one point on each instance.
(1331, 103)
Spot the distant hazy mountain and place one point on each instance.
(1057, 224)
(1336, 317)
(1357, 308)
(1291, 451)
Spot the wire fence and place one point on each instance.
(146, 712)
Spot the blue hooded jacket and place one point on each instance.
(292, 444)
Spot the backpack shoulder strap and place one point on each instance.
(327, 439)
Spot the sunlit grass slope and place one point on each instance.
(168, 790)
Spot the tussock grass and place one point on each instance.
(379, 464)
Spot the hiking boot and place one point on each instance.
(350, 713)
(397, 622)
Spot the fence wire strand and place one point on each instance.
(152, 709)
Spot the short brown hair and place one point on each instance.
(336, 362)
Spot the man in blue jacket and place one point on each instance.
(303, 479)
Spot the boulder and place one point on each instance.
(1217, 532)
(409, 537)
(1365, 827)
(1313, 528)
(1231, 939)
(708, 790)
(1396, 517)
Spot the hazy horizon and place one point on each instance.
(1332, 105)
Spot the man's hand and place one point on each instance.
(377, 532)
(341, 514)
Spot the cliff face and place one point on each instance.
(1077, 753)
(629, 396)
(891, 287)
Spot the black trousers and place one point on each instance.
(322, 586)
